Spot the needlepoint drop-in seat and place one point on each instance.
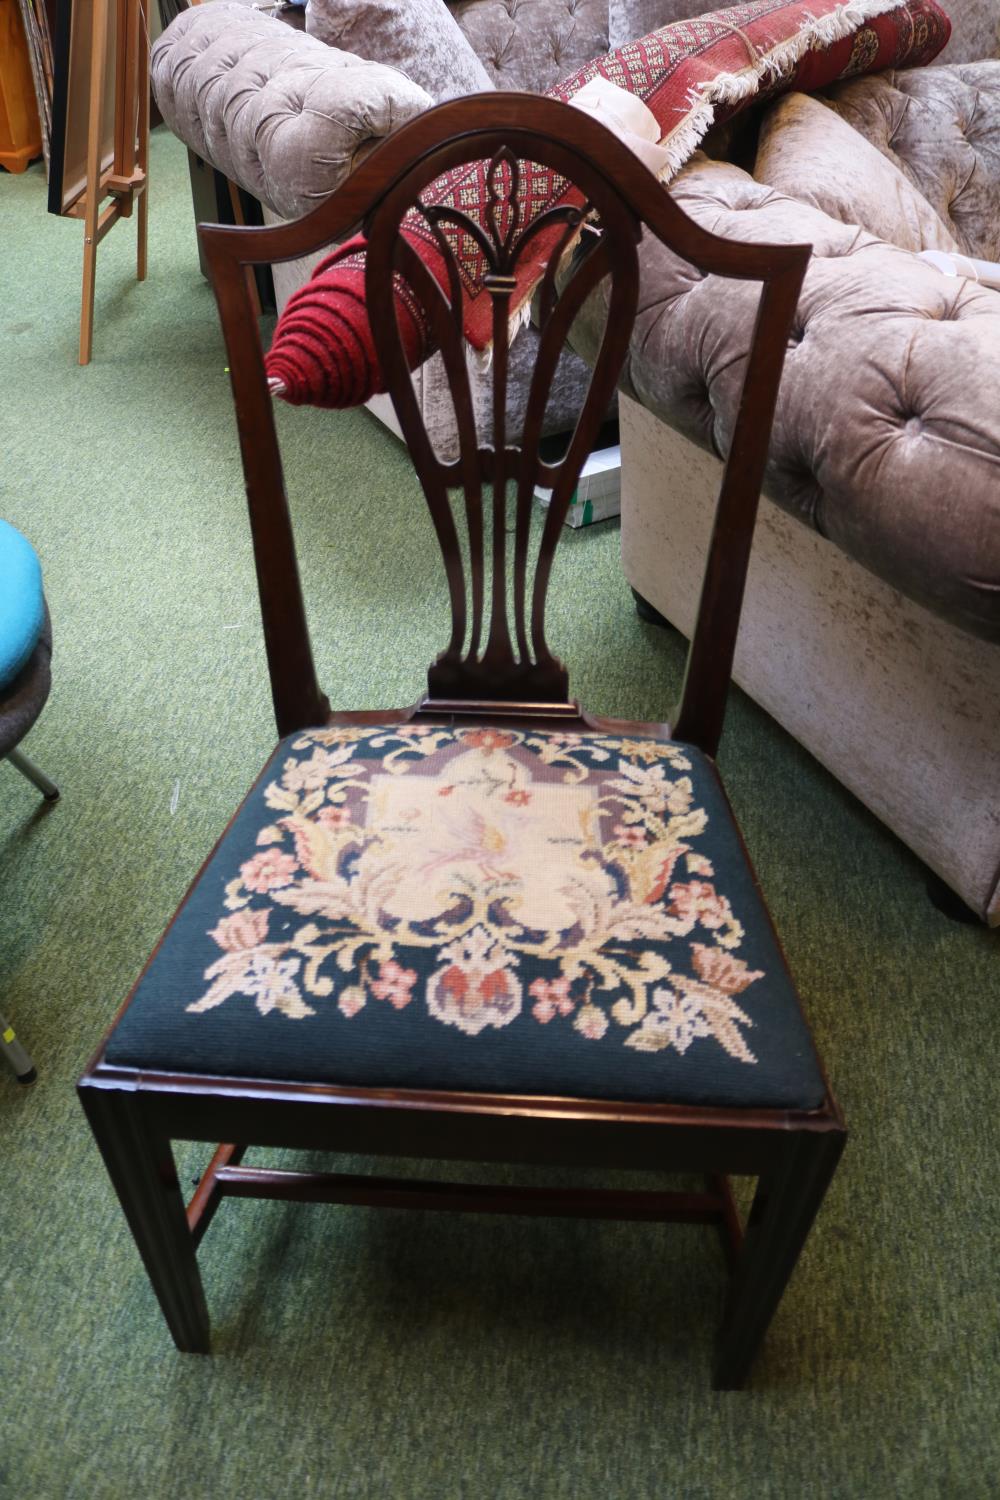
(484, 910)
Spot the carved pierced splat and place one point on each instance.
(497, 649)
(502, 657)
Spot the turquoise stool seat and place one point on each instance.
(22, 603)
(25, 648)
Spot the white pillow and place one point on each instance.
(807, 151)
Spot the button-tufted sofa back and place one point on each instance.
(532, 44)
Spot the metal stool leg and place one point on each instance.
(17, 1058)
(48, 788)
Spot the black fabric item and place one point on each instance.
(24, 698)
(484, 910)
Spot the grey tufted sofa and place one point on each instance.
(287, 117)
(871, 627)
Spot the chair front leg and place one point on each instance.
(784, 1207)
(142, 1168)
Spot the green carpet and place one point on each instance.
(359, 1354)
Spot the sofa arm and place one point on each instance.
(276, 111)
(886, 437)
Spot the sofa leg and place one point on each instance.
(948, 902)
(646, 612)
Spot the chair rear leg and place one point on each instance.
(784, 1207)
(142, 1169)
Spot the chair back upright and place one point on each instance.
(497, 565)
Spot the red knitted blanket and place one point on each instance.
(691, 75)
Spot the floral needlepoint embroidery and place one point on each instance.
(351, 1001)
(476, 989)
(487, 880)
(591, 1022)
(631, 835)
(551, 999)
(265, 871)
(394, 984)
(698, 901)
(333, 817)
(245, 929)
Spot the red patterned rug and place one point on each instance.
(690, 75)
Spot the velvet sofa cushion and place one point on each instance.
(941, 128)
(420, 37)
(975, 31)
(807, 151)
(689, 76)
(487, 910)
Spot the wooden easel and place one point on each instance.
(125, 182)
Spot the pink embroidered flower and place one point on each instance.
(333, 817)
(394, 984)
(243, 930)
(631, 834)
(591, 1022)
(487, 739)
(551, 999)
(351, 1001)
(721, 970)
(517, 798)
(268, 869)
(699, 901)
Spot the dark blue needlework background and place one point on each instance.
(385, 1046)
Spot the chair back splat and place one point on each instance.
(483, 659)
(486, 927)
(523, 152)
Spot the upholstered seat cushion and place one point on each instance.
(22, 604)
(472, 909)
